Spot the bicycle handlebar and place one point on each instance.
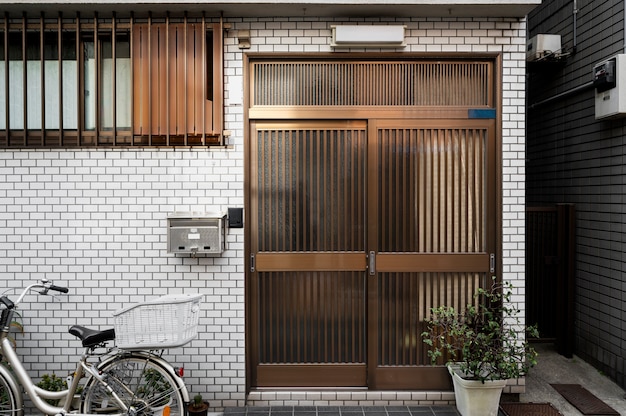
(59, 288)
(45, 285)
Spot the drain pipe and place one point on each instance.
(575, 28)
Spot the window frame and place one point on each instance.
(208, 131)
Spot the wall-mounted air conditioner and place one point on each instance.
(368, 36)
(542, 47)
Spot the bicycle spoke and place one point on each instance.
(143, 387)
(8, 403)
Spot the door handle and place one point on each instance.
(372, 263)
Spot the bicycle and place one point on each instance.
(130, 378)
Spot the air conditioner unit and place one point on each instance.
(368, 36)
(542, 47)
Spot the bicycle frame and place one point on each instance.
(19, 376)
(14, 387)
(37, 394)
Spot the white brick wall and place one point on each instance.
(95, 220)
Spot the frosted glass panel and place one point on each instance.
(16, 92)
(3, 124)
(123, 90)
(52, 94)
(70, 97)
(90, 87)
(33, 94)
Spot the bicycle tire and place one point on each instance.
(8, 400)
(143, 385)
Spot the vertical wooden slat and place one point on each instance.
(184, 120)
(274, 186)
(217, 114)
(203, 93)
(149, 79)
(163, 56)
(60, 79)
(97, 78)
(411, 174)
(24, 82)
(173, 80)
(447, 226)
(177, 81)
(79, 94)
(265, 203)
(133, 80)
(6, 114)
(42, 76)
(297, 167)
(168, 81)
(136, 55)
(333, 229)
(141, 67)
(286, 194)
(114, 75)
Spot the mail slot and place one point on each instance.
(189, 233)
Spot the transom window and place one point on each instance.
(110, 82)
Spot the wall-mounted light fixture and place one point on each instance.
(243, 37)
(368, 36)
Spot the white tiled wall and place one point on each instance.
(95, 220)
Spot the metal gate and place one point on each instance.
(550, 273)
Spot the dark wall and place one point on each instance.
(574, 158)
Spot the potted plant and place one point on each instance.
(482, 347)
(198, 407)
(158, 389)
(52, 382)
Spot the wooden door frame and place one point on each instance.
(266, 261)
(359, 113)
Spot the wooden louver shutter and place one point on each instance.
(172, 74)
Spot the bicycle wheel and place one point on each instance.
(8, 401)
(144, 386)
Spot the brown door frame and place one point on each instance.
(348, 374)
(356, 113)
(420, 377)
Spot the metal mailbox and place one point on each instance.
(196, 233)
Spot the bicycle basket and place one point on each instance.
(165, 322)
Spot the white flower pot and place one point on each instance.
(75, 402)
(160, 410)
(475, 398)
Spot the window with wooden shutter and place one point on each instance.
(110, 82)
(174, 102)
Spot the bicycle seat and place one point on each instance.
(92, 337)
